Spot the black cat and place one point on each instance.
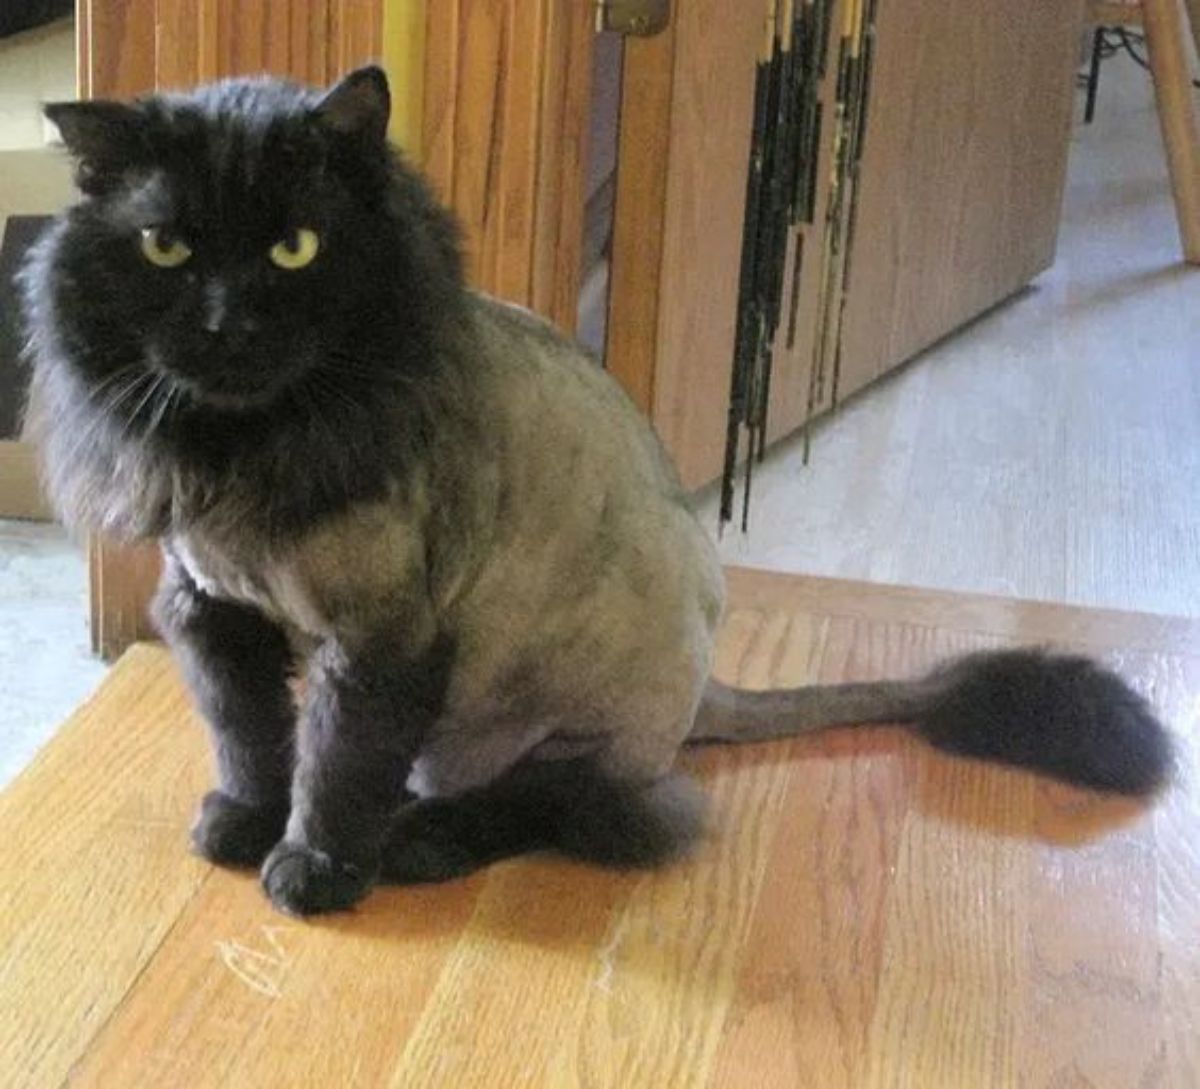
(251, 341)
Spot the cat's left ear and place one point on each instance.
(104, 138)
(359, 105)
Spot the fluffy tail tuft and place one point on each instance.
(1062, 715)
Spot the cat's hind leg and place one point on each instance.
(570, 806)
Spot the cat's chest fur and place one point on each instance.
(265, 582)
(338, 577)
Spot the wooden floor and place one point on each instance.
(866, 914)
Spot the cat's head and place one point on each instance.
(235, 244)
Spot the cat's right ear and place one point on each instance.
(359, 105)
(104, 138)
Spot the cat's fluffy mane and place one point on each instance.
(137, 465)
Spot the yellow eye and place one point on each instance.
(297, 250)
(163, 249)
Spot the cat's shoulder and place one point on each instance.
(502, 317)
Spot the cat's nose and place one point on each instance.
(216, 306)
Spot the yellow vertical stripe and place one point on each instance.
(404, 61)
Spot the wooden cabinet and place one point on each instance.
(131, 46)
(960, 187)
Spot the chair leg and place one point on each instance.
(1177, 114)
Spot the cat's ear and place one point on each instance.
(359, 105)
(104, 138)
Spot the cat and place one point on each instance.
(251, 340)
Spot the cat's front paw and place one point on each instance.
(233, 833)
(303, 881)
(424, 846)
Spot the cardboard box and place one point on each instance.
(33, 182)
(20, 493)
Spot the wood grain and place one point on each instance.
(963, 170)
(864, 913)
(505, 100)
(106, 851)
(118, 52)
(561, 196)
(438, 130)
(709, 140)
(128, 47)
(121, 582)
(631, 353)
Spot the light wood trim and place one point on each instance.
(121, 584)
(1166, 46)
(639, 214)
(83, 75)
(402, 52)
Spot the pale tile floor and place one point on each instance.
(46, 666)
(1051, 450)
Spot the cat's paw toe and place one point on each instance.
(303, 881)
(423, 849)
(233, 833)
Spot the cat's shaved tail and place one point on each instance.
(1062, 715)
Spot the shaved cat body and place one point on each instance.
(251, 342)
(578, 591)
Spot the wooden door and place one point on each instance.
(506, 93)
(128, 47)
(490, 96)
(962, 192)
